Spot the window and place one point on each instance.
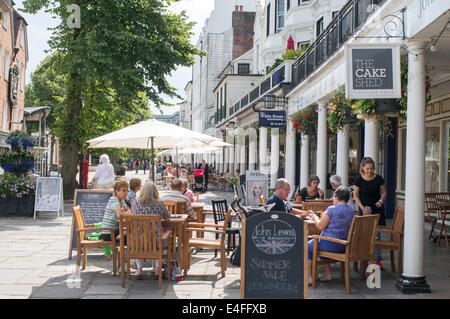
(268, 20)
(5, 20)
(279, 16)
(319, 27)
(7, 58)
(300, 2)
(22, 75)
(5, 116)
(303, 45)
(288, 5)
(243, 68)
(22, 37)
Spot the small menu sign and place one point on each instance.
(274, 257)
(373, 71)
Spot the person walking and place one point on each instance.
(370, 193)
(136, 166)
(104, 174)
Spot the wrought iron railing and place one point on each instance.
(351, 17)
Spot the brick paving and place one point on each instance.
(34, 264)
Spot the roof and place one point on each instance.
(36, 113)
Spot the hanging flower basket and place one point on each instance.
(340, 111)
(305, 121)
(19, 139)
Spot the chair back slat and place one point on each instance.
(317, 205)
(174, 207)
(431, 201)
(398, 223)
(220, 209)
(362, 237)
(143, 235)
(79, 220)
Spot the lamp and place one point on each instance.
(230, 125)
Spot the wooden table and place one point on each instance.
(296, 205)
(178, 225)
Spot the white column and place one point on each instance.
(304, 161)
(237, 156)
(263, 158)
(371, 141)
(274, 155)
(342, 160)
(252, 148)
(231, 160)
(322, 137)
(243, 158)
(415, 164)
(290, 154)
(225, 159)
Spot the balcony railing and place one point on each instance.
(273, 79)
(351, 17)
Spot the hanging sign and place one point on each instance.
(271, 118)
(373, 71)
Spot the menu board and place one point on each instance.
(93, 203)
(49, 195)
(274, 257)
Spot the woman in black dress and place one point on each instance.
(370, 193)
(312, 191)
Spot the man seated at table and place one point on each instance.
(176, 195)
(279, 197)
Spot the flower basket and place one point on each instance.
(349, 118)
(19, 139)
(305, 121)
(16, 196)
(340, 111)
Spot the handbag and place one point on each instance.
(235, 258)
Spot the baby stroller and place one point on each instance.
(199, 180)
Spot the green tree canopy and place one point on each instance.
(120, 56)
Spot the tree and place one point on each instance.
(123, 48)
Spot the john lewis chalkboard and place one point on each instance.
(274, 255)
(93, 203)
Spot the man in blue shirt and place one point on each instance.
(282, 190)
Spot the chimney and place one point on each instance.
(236, 8)
(241, 8)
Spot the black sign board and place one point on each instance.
(373, 71)
(271, 118)
(93, 203)
(274, 255)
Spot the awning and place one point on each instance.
(36, 113)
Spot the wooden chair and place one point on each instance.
(212, 181)
(191, 181)
(262, 200)
(316, 205)
(144, 241)
(220, 209)
(432, 211)
(84, 244)
(210, 243)
(360, 245)
(175, 208)
(396, 241)
(444, 213)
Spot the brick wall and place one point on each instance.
(243, 23)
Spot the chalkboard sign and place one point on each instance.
(93, 203)
(49, 195)
(274, 257)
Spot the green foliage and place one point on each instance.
(277, 62)
(16, 186)
(291, 54)
(339, 108)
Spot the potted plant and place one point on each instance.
(16, 196)
(305, 121)
(340, 111)
(19, 139)
(17, 162)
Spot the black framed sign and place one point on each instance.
(274, 257)
(271, 118)
(373, 71)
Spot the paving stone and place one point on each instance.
(58, 291)
(106, 290)
(16, 290)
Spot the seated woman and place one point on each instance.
(334, 223)
(116, 206)
(185, 190)
(135, 186)
(148, 203)
(312, 191)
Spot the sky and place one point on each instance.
(38, 35)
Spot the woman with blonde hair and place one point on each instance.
(148, 203)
